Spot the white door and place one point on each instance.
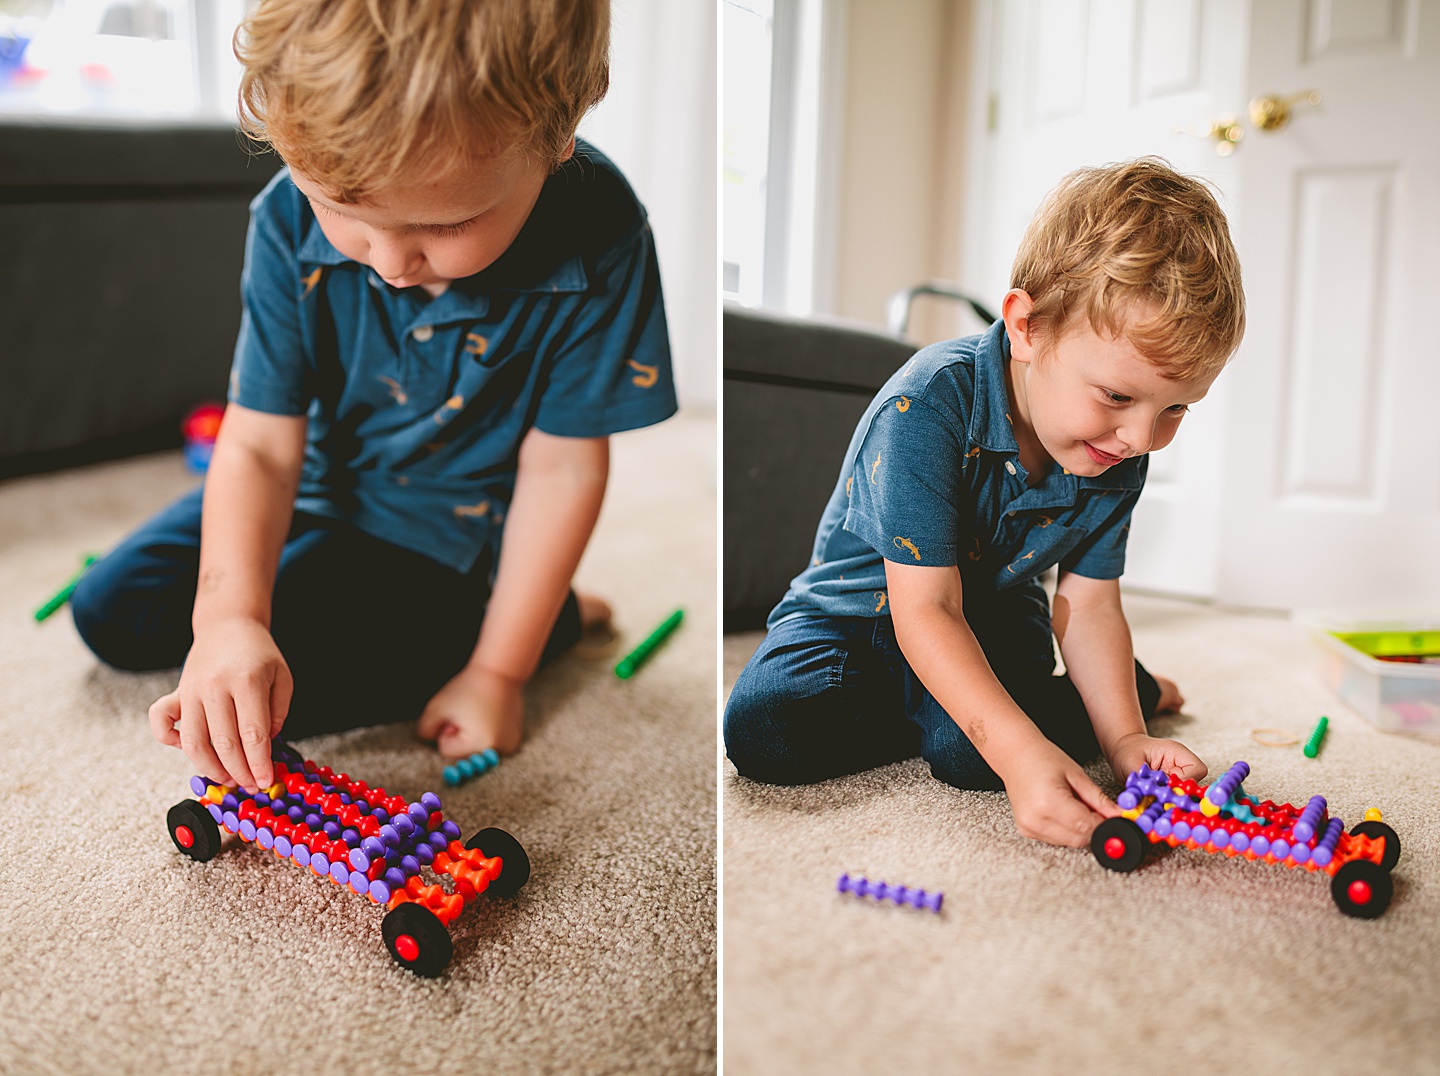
(1311, 475)
(1332, 473)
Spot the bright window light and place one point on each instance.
(119, 59)
(747, 29)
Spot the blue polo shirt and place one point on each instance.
(417, 406)
(933, 477)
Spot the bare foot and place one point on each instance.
(1170, 698)
(594, 611)
(598, 637)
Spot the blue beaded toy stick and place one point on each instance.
(477, 764)
(898, 893)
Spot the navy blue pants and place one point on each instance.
(370, 630)
(826, 696)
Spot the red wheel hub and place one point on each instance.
(407, 947)
(1359, 891)
(184, 837)
(1114, 847)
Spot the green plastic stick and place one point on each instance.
(633, 660)
(68, 589)
(1312, 745)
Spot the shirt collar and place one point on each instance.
(992, 429)
(529, 264)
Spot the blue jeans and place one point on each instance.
(826, 696)
(370, 630)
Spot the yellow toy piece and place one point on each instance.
(1373, 815)
(1208, 809)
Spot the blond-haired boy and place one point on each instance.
(449, 304)
(921, 625)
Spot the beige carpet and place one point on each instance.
(122, 956)
(1042, 962)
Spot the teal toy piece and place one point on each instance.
(467, 768)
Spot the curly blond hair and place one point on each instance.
(1142, 251)
(351, 91)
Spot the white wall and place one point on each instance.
(904, 111)
(658, 123)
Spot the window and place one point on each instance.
(119, 59)
(783, 97)
(748, 31)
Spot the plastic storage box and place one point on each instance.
(1395, 695)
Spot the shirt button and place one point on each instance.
(423, 333)
(1008, 465)
(1011, 513)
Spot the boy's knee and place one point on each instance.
(112, 633)
(747, 744)
(90, 609)
(758, 745)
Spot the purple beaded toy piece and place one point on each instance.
(898, 893)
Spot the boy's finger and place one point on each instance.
(164, 715)
(282, 690)
(1075, 828)
(432, 723)
(1088, 793)
(195, 742)
(225, 735)
(252, 724)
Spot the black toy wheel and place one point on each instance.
(417, 939)
(1362, 889)
(193, 830)
(1118, 844)
(514, 865)
(1391, 855)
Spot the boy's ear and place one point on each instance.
(1015, 312)
(567, 152)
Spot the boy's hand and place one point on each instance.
(477, 709)
(1129, 752)
(1053, 799)
(234, 695)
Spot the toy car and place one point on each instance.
(1159, 808)
(373, 843)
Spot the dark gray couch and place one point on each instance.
(793, 390)
(120, 255)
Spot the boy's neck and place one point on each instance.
(436, 290)
(1033, 456)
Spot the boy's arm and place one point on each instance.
(235, 689)
(1094, 640)
(559, 486)
(1051, 797)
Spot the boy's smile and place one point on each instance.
(1088, 401)
(431, 229)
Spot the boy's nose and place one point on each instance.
(393, 260)
(1136, 439)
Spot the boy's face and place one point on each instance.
(429, 228)
(1090, 401)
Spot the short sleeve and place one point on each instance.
(270, 371)
(905, 486)
(1102, 554)
(612, 372)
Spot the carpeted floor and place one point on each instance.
(1042, 962)
(122, 956)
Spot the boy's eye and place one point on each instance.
(1116, 397)
(450, 229)
(1178, 409)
